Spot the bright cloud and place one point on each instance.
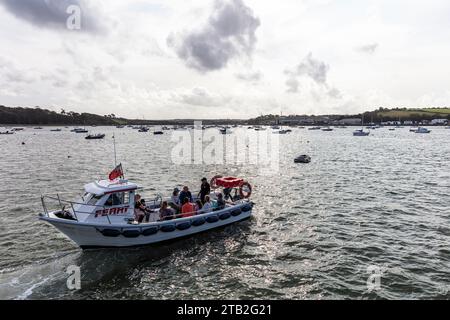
(224, 58)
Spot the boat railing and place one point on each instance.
(60, 202)
(196, 213)
(64, 203)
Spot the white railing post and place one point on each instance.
(60, 204)
(44, 206)
(73, 210)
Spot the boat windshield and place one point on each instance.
(93, 198)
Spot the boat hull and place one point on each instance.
(95, 236)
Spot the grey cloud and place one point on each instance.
(200, 96)
(52, 13)
(13, 74)
(292, 84)
(18, 77)
(55, 80)
(251, 77)
(58, 78)
(370, 48)
(309, 67)
(334, 93)
(315, 69)
(228, 33)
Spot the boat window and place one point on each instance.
(126, 197)
(119, 198)
(94, 199)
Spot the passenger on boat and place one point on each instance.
(187, 210)
(220, 202)
(185, 194)
(198, 206)
(207, 205)
(205, 189)
(150, 215)
(139, 209)
(227, 193)
(165, 213)
(175, 200)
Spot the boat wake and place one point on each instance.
(21, 283)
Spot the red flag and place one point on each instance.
(116, 173)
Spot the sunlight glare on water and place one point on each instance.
(380, 200)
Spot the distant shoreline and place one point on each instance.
(42, 117)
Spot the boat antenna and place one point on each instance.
(115, 155)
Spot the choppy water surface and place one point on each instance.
(379, 201)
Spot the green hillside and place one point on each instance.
(407, 114)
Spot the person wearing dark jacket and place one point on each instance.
(205, 190)
(185, 193)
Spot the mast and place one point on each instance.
(115, 155)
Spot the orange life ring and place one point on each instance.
(241, 191)
(212, 183)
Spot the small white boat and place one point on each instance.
(327, 129)
(104, 216)
(422, 130)
(314, 128)
(281, 132)
(360, 133)
(79, 130)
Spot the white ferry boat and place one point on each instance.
(422, 130)
(105, 215)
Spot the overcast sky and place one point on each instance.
(225, 58)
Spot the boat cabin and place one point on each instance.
(106, 200)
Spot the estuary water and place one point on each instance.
(368, 218)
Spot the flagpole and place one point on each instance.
(115, 156)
